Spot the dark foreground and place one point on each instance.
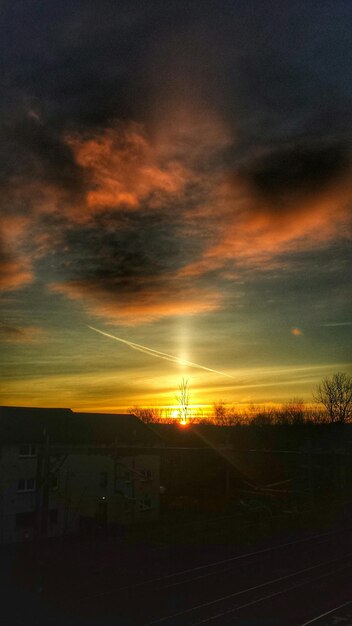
(290, 570)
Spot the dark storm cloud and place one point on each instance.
(36, 152)
(82, 65)
(125, 255)
(132, 248)
(143, 137)
(297, 169)
(84, 62)
(129, 274)
(64, 67)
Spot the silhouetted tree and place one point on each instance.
(266, 417)
(224, 415)
(220, 413)
(335, 394)
(292, 413)
(183, 398)
(147, 415)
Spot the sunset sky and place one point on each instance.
(178, 175)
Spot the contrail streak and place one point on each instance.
(160, 355)
(338, 324)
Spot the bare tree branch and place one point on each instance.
(335, 394)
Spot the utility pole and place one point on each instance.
(41, 507)
(310, 471)
(38, 494)
(227, 479)
(45, 486)
(42, 487)
(66, 502)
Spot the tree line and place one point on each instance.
(332, 404)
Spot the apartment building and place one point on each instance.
(63, 472)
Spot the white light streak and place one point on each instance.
(160, 355)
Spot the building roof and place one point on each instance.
(30, 424)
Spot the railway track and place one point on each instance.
(341, 614)
(211, 568)
(225, 610)
(222, 591)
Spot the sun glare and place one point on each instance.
(175, 414)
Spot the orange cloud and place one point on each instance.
(22, 334)
(122, 168)
(144, 306)
(237, 221)
(34, 198)
(253, 232)
(125, 167)
(15, 257)
(14, 229)
(14, 275)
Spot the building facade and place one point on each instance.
(64, 473)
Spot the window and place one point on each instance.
(30, 484)
(145, 504)
(146, 476)
(27, 450)
(26, 484)
(25, 519)
(127, 476)
(53, 481)
(123, 473)
(103, 482)
(53, 517)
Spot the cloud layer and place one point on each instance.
(145, 178)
